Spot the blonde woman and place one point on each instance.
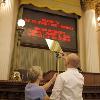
(32, 90)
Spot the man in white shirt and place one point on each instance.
(69, 84)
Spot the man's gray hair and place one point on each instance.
(73, 59)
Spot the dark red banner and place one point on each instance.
(41, 25)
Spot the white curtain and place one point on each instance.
(25, 57)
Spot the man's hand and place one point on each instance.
(62, 55)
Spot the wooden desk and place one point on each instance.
(12, 90)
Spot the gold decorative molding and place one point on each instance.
(97, 9)
(97, 12)
(89, 4)
(67, 6)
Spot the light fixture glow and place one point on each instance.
(98, 19)
(21, 23)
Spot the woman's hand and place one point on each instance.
(54, 77)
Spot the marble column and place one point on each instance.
(98, 24)
(90, 37)
(8, 16)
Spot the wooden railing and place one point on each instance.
(13, 90)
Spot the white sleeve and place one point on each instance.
(57, 89)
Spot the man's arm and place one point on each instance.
(57, 89)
